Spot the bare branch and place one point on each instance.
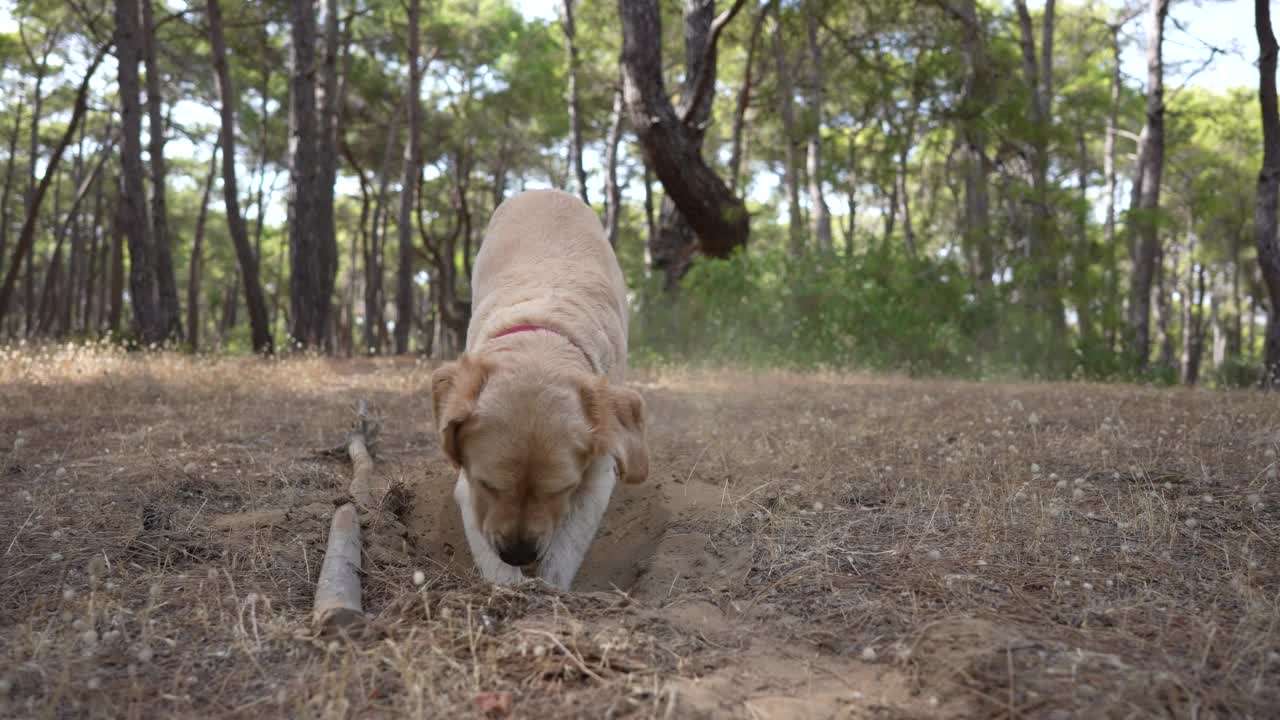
(706, 79)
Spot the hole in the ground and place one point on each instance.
(639, 547)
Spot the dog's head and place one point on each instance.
(526, 438)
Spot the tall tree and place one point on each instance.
(820, 216)
(1042, 240)
(308, 303)
(672, 142)
(612, 191)
(143, 290)
(1268, 196)
(790, 153)
(575, 109)
(326, 151)
(26, 236)
(1145, 206)
(166, 283)
(195, 266)
(408, 189)
(254, 299)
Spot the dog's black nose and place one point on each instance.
(518, 553)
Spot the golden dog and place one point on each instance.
(533, 412)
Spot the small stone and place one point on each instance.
(60, 473)
(1168, 486)
(55, 557)
(1191, 523)
(1079, 482)
(1087, 586)
(1034, 419)
(419, 577)
(1207, 499)
(1077, 493)
(869, 654)
(189, 468)
(935, 555)
(1254, 498)
(1061, 484)
(818, 507)
(1035, 468)
(145, 654)
(89, 637)
(68, 594)
(1076, 559)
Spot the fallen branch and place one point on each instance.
(337, 601)
(338, 589)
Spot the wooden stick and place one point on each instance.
(364, 489)
(337, 601)
(338, 589)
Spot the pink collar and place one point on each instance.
(531, 328)
(521, 328)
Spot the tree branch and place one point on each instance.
(706, 79)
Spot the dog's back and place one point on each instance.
(545, 261)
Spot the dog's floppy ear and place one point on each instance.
(455, 387)
(617, 425)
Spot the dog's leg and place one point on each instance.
(569, 544)
(487, 561)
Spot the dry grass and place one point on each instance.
(808, 546)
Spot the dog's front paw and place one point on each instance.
(503, 574)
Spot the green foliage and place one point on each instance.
(763, 308)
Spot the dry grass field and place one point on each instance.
(807, 546)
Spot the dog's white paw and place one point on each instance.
(503, 574)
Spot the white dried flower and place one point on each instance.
(869, 654)
(419, 577)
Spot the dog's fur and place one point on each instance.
(538, 419)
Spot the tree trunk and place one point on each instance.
(1084, 248)
(651, 225)
(820, 216)
(1165, 276)
(1109, 170)
(326, 150)
(114, 302)
(575, 112)
(1042, 246)
(166, 282)
(90, 324)
(1143, 221)
(1268, 195)
(908, 231)
(672, 143)
(195, 266)
(143, 286)
(1192, 318)
(975, 100)
(612, 192)
(374, 294)
(408, 191)
(307, 302)
(254, 299)
(791, 165)
(33, 156)
(26, 236)
(737, 156)
(11, 167)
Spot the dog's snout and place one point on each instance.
(518, 552)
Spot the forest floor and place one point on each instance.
(807, 546)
